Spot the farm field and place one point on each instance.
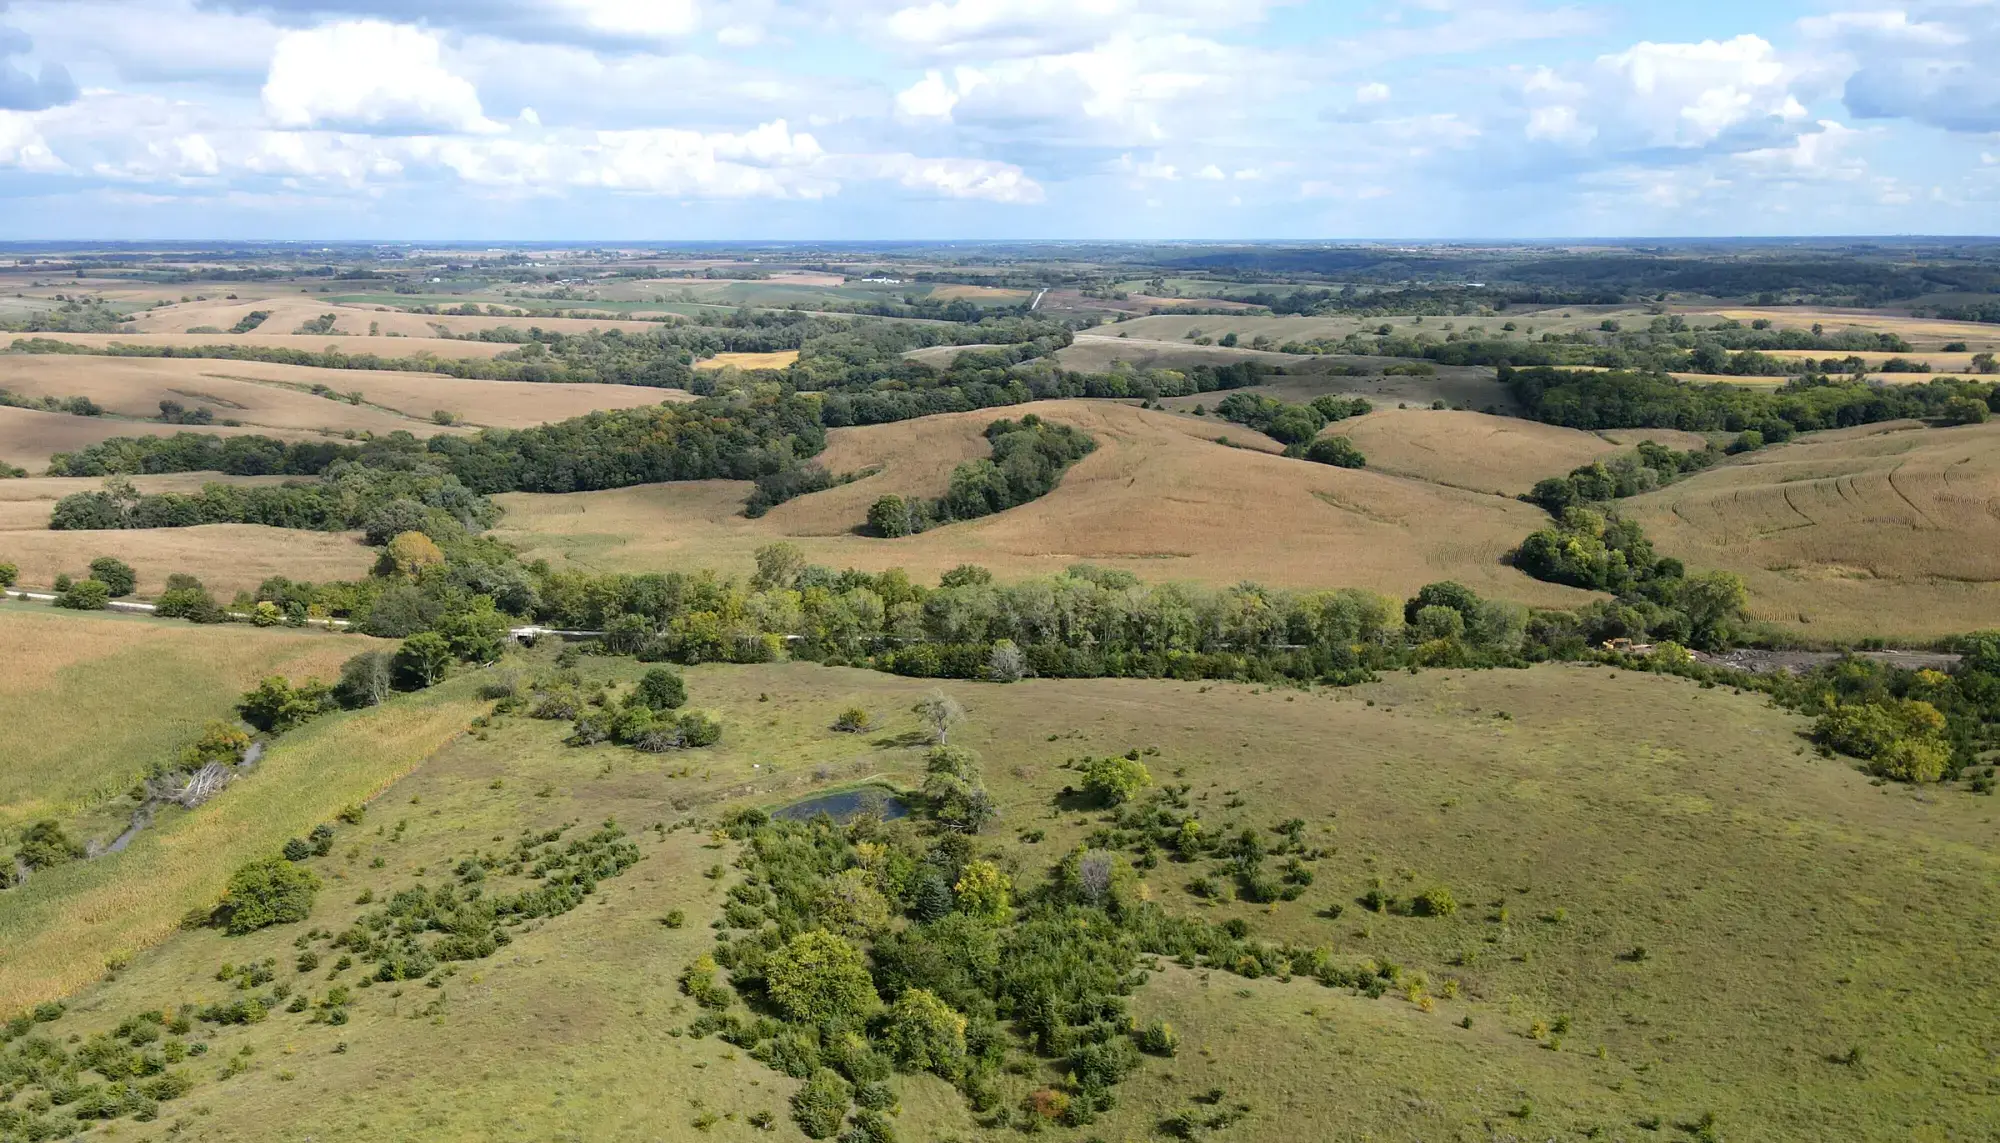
(227, 557)
(29, 437)
(1888, 530)
(781, 359)
(308, 343)
(150, 685)
(1476, 451)
(287, 314)
(1926, 334)
(1606, 811)
(266, 396)
(1470, 388)
(1159, 497)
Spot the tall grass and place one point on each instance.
(59, 930)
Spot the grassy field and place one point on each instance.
(1887, 530)
(1575, 813)
(148, 686)
(1159, 497)
(354, 318)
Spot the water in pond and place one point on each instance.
(841, 805)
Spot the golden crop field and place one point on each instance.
(1159, 497)
(779, 359)
(1889, 530)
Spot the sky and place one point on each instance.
(638, 120)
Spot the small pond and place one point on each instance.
(843, 805)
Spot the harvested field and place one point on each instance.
(781, 359)
(941, 356)
(1096, 353)
(1474, 451)
(289, 313)
(1889, 530)
(280, 397)
(29, 437)
(307, 343)
(1940, 363)
(227, 557)
(1159, 497)
(1926, 334)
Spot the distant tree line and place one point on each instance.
(1620, 399)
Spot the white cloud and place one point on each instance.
(1730, 94)
(1369, 93)
(638, 19)
(929, 98)
(962, 178)
(369, 76)
(1932, 62)
(1210, 173)
(22, 145)
(999, 29)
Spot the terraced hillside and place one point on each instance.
(1890, 530)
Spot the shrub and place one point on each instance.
(853, 720)
(821, 1105)
(925, 1034)
(365, 680)
(116, 575)
(85, 595)
(264, 893)
(1436, 901)
(660, 689)
(10, 574)
(45, 844)
(1112, 781)
(1337, 451)
(1005, 663)
(816, 977)
(1159, 1039)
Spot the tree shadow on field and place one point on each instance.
(908, 738)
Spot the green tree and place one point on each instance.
(816, 977)
(264, 893)
(115, 574)
(10, 574)
(422, 661)
(778, 565)
(984, 891)
(277, 706)
(85, 595)
(821, 1105)
(660, 689)
(889, 517)
(1113, 781)
(365, 680)
(925, 1034)
(475, 633)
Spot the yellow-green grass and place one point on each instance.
(1883, 531)
(1790, 910)
(59, 931)
(1159, 497)
(93, 700)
